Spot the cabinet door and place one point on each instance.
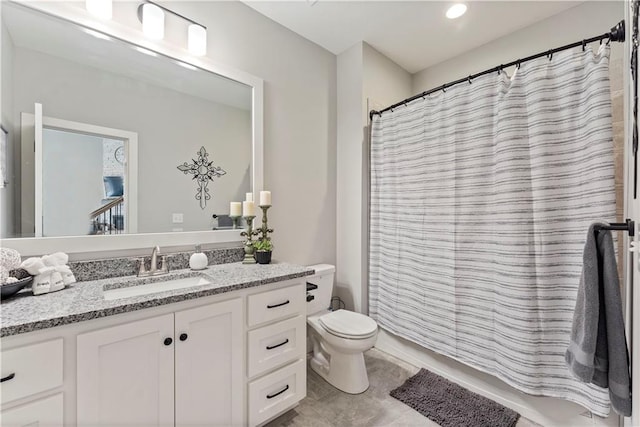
(125, 374)
(209, 365)
(43, 412)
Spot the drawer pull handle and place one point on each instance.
(271, 396)
(168, 341)
(8, 377)
(271, 347)
(278, 305)
(183, 336)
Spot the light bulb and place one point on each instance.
(456, 11)
(103, 9)
(197, 40)
(152, 21)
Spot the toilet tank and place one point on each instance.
(323, 278)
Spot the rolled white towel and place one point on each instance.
(32, 265)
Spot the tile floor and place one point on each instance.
(325, 406)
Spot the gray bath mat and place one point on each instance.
(451, 405)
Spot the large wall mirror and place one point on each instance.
(109, 144)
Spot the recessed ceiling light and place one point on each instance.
(456, 11)
(96, 34)
(145, 51)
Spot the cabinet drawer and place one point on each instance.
(275, 392)
(35, 368)
(43, 412)
(276, 304)
(275, 345)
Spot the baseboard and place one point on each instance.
(547, 411)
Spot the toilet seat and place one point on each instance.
(348, 324)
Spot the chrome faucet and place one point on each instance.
(154, 270)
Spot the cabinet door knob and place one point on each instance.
(8, 377)
(168, 341)
(183, 336)
(271, 396)
(278, 305)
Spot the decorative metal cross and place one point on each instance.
(203, 171)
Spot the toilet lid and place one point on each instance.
(348, 324)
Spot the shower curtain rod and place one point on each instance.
(617, 34)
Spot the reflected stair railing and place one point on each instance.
(108, 219)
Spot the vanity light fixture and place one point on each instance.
(197, 41)
(152, 15)
(152, 21)
(103, 9)
(456, 11)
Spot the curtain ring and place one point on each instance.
(584, 45)
(444, 88)
(500, 69)
(469, 79)
(550, 54)
(519, 64)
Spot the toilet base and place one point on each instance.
(346, 372)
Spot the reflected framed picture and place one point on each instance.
(4, 171)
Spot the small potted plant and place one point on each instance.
(263, 251)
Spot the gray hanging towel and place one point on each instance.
(598, 353)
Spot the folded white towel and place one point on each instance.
(58, 258)
(42, 281)
(56, 282)
(32, 265)
(66, 273)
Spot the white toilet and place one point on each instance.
(339, 337)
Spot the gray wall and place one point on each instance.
(366, 79)
(582, 21)
(171, 128)
(7, 194)
(299, 122)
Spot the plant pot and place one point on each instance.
(263, 257)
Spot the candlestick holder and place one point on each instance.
(248, 244)
(264, 230)
(235, 220)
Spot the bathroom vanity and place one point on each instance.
(228, 349)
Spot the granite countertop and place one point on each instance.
(85, 300)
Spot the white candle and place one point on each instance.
(235, 209)
(248, 208)
(265, 198)
(249, 197)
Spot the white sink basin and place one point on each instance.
(159, 284)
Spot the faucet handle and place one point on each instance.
(164, 267)
(142, 270)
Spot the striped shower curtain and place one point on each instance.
(481, 197)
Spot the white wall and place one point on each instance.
(583, 21)
(299, 122)
(7, 194)
(171, 128)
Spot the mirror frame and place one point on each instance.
(30, 246)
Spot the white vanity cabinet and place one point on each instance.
(28, 374)
(236, 358)
(276, 352)
(185, 365)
